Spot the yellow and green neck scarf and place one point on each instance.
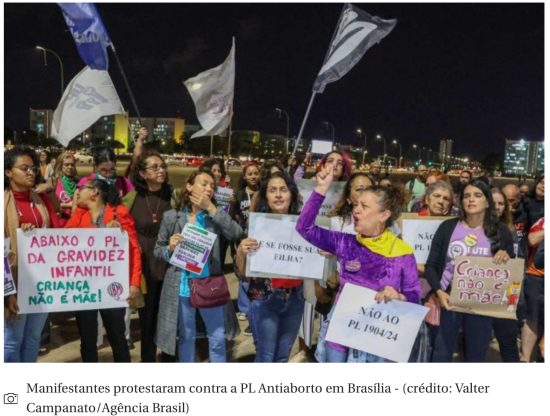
(386, 244)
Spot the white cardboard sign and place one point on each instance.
(223, 196)
(72, 269)
(283, 252)
(9, 284)
(419, 233)
(384, 329)
(193, 252)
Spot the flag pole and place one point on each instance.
(229, 140)
(303, 123)
(126, 82)
(211, 145)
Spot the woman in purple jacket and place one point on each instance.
(374, 258)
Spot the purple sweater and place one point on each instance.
(359, 265)
(375, 271)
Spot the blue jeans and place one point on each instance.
(243, 303)
(477, 335)
(352, 356)
(275, 322)
(22, 338)
(215, 329)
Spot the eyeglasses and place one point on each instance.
(156, 168)
(28, 169)
(107, 171)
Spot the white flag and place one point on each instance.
(356, 32)
(212, 92)
(89, 96)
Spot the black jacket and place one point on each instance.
(435, 265)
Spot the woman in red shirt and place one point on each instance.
(276, 305)
(99, 206)
(27, 210)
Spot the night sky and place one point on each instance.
(473, 73)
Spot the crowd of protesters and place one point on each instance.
(500, 223)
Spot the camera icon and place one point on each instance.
(10, 398)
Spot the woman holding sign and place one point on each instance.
(374, 258)
(341, 221)
(476, 232)
(24, 209)
(99, 206)
(276, 305)
(176, 313)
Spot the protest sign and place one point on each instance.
(223, 196)
(387, 330)
(283, 252)
(192, 253)
(419, 232)
(72, 269)
(334, 193)
(483, 288)
(9, 284)
(338, 224)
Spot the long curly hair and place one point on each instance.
(208, 164)
(490, 221)
(295, 198)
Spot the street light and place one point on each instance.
(428, 150)
(44, 50)
(414, 146)
(380, 137)
(279, 112)
(361, 133)
(327, 124)
(400, 151)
